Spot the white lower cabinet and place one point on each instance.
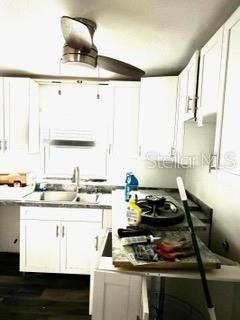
(58, 240)
(39, 246)
(78, 246)
(119, 296)
(113, 294)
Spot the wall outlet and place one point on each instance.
(225, 245)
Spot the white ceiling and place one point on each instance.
(158, 36)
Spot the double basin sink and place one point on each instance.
(70, 196)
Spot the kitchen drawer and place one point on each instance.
(63, 214)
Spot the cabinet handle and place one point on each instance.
(63, 231)
(172, 152)
(57, 231)
(96, 243)
(5, 145)
(0, 145)
(109, 149)
(211, 166)
(139, 151)
(188, 100)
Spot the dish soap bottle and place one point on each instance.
(131, 185)
(134, 212)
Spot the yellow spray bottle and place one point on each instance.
(134, 212)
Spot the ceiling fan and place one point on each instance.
(79, 48)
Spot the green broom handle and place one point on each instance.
(183, 197)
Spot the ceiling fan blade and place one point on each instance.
(118, 66)
(76, 33)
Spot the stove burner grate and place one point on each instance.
(157, 210)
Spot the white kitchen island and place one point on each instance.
(121, 293)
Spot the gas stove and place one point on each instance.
(160, 211)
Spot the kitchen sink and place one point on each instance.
(58, 195)
(67, 196)
(91, 198)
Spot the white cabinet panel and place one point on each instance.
(18, 97)
(157, 117)
(230, 143)
(78, 246)
(58, 239)
(181, 103)
(125, 119)
(116, 296)
(144, 309)
(34, 118)
(19, 115)
(1, 116)
(209, 75)
(191, 74)
(39, 246)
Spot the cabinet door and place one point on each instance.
(17, 107)
(21, 115)
(34, 118)
(157, 117)
(181, 103)
(144, 307)
(39, 246)
(125, 119)
(78, 246)
(192, 74)
(209, 75)
(230, 142)
(116, 296)
(1, 115)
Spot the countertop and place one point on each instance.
(120, 254)
(33, 200)
(120, 205)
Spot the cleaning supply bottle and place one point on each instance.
(131, 184)
(134, 212)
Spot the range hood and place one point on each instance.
(70, 138)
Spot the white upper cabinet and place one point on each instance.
(186, 150)
(228, 129)
(19, 115)
(188, 87)
(2, 124)
(124, 140)
(180, 113)
(157, 117)
(209, 76)
(33, 118)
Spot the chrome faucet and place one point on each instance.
(76, 177)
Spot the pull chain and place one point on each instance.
(98, 76)
(60, 73)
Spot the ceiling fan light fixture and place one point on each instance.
(76, 56)
(80, 49)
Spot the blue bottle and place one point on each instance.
(131, 184)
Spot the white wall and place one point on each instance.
(149, 173)
(221, 191)
(20, 162)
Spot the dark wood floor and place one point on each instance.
(41, 296)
